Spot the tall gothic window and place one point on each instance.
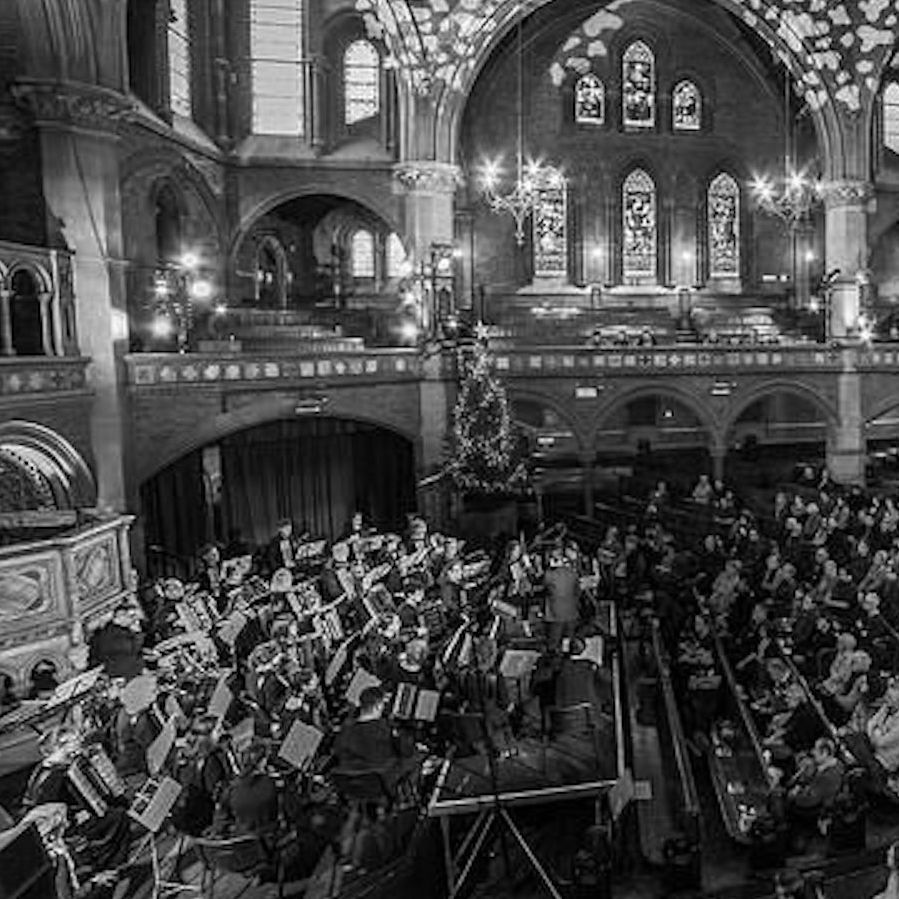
(638, 80)
(276, 48)
(179, 59)
(551, 226)
(361, 82)
(891, 116)
(589, 101)
(396, 257)
(724, 226)
(686, 107)
(639, 225)
(362, 254)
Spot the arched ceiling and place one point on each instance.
(835, 50)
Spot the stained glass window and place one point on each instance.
(179, 59)
(276, 47)
(891, 116)
(396, 257)
(550, 225)
(361, 82)
(724, 226)
(362, 253)
(639, 225)
(638, 79)
(686, 107)
(589, 101)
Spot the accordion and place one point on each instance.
(96, 780)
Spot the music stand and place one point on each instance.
(152, 805)
(494, 814)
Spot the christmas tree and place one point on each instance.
(486, 454)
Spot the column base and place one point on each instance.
(847, 466)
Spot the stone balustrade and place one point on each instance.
(42, 375)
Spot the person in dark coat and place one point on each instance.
(118, 645)
(562, 600)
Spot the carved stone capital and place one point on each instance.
(841, 193)
(427, 177)
(76, 105)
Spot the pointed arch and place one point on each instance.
(723, 209)
(686, 106)
(639, 226)
(361, 81)
(638, 86)
(589, 100)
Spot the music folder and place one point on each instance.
(221, 696)
(300, 745)
(361, 680)
(413, 703)
(153, 803)
(158, 751)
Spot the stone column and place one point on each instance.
(587, 461)
(46, 336)
(6, 344)
(845, 248)
(80, 153)
(435, 416)
(429, 189)
(846, 443)
(718, 454)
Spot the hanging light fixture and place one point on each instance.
(793, 196)
(531, 178)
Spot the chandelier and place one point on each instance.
(530, 179)
(793, 196)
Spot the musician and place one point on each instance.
(562, 599)
(118, 645)
(410, 666)
(367, 742)
(578, 679)
(137, 724)
(102, 838)
(8, 698)
(210, 578)
(249, 802)
(281, 549)
(204, 773)
(336, 573)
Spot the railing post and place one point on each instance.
(6, 344)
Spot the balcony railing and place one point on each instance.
(26, 376)
(222, 369)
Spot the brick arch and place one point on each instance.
(772, 388)
(42, 278)
(368, 201)
(706, 415)
(262, 411)
(564, 412)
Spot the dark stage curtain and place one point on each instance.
(316, 472)
(174, 507)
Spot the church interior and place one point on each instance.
(449, 448)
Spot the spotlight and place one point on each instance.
(221, 309)
(814, 305)
(161, 288)
(161, 327)
(189, 260)
(201, 290)
(409, 331)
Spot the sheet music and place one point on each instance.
(300, 744)
(312, 550)
(154, 802)
(338, 660)
(242, 734)
(593, 651)
(361, 680)
(221, 696)
(518, 663)
(158, 751)
(426, 706)
(404, 702)
(232, 627)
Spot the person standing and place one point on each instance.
(562, 599)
